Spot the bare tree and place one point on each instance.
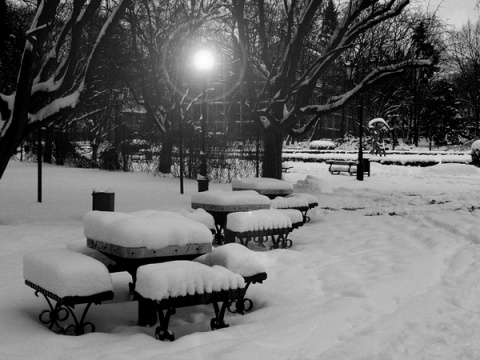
(465, 49)
(290, 87)
(161, 35)
(54, 75)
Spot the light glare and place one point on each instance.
(203, 60)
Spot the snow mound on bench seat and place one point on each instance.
(256, 220)
(80, 246)
(312, 199)
(294, 215)
(181, 278)
(236, 258)
(66, 273)
(149, 228)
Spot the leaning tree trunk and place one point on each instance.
(272, 154)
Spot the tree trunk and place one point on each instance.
(272, 154)
(48, 152)
(165, 163)
(15, 131)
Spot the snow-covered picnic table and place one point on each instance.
(221, 203)
(145, 237)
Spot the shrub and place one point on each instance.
(322, 145)
(476, 153)
(109, 159)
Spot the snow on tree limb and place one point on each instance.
(369, 80)
(55, 106)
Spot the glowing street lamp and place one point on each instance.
(203, 62)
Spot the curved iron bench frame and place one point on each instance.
(278, 237)
(64, 308)
(165, 308)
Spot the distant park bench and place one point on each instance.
(338, 166)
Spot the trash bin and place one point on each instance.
(202, 185)
(103, 201)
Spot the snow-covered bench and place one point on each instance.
(240, 260)
(338, 166)
(286, 167)
(259, 226)
(288, 202)
(296, 216)
(69, 279)
(178, 284)
(312, 201)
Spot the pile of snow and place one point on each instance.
(257, 220)
(313, 184)
(236, 258)
(452, 169)
(66, 273)
(80, 246)
(475, 153)
(476, 145)
(264, 186)
(150, 229)
(389, 269)
(219, 198)
(322, 145)
(181, 278)
(295, 215)
(199, 215)
(311, 199)
(294, 202)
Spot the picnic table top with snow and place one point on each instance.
(264, 186)
(229, 201)
(148, 229)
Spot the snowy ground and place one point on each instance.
(388, 268)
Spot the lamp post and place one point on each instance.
(350, 67)
(203, 62)
(360, 136)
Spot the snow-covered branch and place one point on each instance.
(375, 76)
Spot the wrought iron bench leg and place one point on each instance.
(53, 316)
(162, 332)
(79, 326)
(61, 312)
(244, 240)
(146, 313)
(218, 321)
(281, 242)
(261, 240)
(241, 305)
